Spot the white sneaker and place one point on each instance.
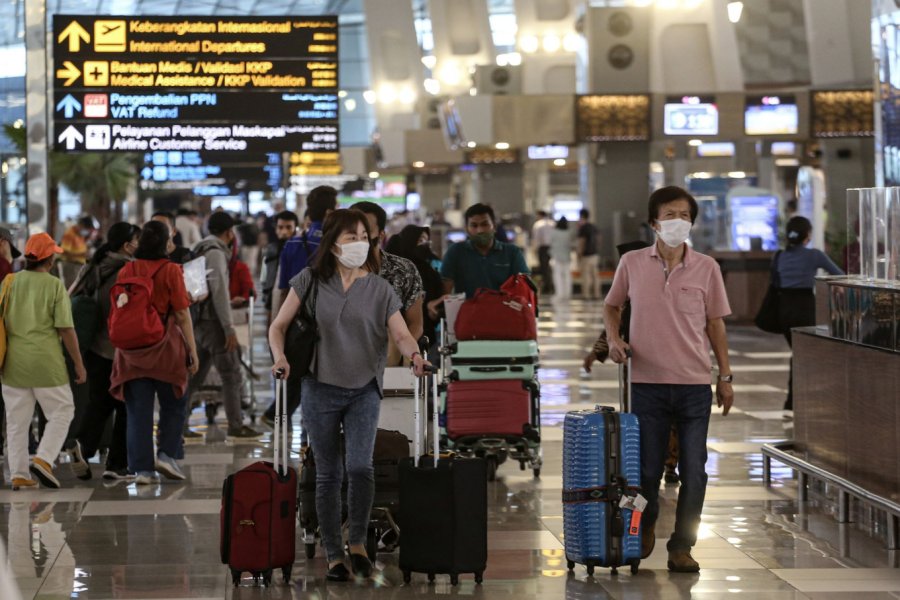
(146, 478)
(166, 465)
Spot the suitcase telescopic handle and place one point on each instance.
(625, 383)
(280, 431)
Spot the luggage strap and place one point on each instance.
(597, 494)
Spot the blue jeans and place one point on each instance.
(139, 395)
(657, 406)
(324, 409)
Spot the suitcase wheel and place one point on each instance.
(454, 579)
(537, 473)
(235, 577)
(479, 577)
(211, 409)
(310, 551)
(614, 571)
(286, 574)
(431, 578)
(634, 568)
(590, 570)
(407, 576)
(570, 564)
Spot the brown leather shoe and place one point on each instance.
(648, 540)
(681, 561)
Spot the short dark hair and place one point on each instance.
(370, 208)
(32, 264)
(480, 209)
(153, 241)
(584, 213)
(219, 223)
(665, 195)
(336, 223)
(287, 215)
(542, 213)
(320, 200)
(797, 230)
(165, 214)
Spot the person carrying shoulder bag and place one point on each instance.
(355, 311)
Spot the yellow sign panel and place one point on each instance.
(96, 73)
(109, 36)
(75, 34)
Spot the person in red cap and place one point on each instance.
(37, 312)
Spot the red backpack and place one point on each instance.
(133, 322)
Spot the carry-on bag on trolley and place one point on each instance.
(602, 505)
(494, 359)
(259, 508)
(501, 408)
(443, 509)
(495, 315)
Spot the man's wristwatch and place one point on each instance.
(726, 378)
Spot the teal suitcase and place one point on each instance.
(493, 359)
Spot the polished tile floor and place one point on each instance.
(93, 540)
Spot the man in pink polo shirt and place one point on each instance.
(677, 307)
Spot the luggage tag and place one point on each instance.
(636, 503)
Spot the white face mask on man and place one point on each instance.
(674, 232)
(354, 254)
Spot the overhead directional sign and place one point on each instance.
(211, 84)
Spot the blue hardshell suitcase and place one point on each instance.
(601, 463)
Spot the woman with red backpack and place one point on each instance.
(150, 326)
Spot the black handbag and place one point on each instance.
(768, 317)
(302, 334)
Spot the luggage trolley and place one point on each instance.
(508, 385)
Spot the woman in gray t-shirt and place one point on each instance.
(355, 311)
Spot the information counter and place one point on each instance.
(847, 386)
(746, 281)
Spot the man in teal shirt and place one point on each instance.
(481, 261)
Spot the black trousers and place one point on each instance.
(97, 412)
(545, 269)
(796, 308)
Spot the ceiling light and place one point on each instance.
(418, 164)
(560, 162)
(370, 97)
(529, 44)
(374, 174)
(695, 143)
(350, 104)
(407, 95)
(551, 43)
(787, 162)
(473, 91)
(502, 60)
(515, 58)
(450, 75)
(501, 146)
(342, 94)
(737, 174)
(471, 144)
(570, 42)
(429, 61)
(735, 9)
(387, 94)
(432, 86)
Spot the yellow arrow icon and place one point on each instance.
(69, 72)
(75, 34)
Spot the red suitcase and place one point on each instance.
(495, 315)
(259, 511)
(497, 408)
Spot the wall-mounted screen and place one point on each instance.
(784, 149)
(753, 217)
(547, 152)
(388, 192)
(771, 115)
(691, 115)
(715, 149)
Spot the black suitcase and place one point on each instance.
(443, 511)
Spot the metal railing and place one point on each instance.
(846, 489)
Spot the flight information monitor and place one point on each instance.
(771, 115)
(690, 115)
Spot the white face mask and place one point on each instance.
(354, 254)
(674, 232)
